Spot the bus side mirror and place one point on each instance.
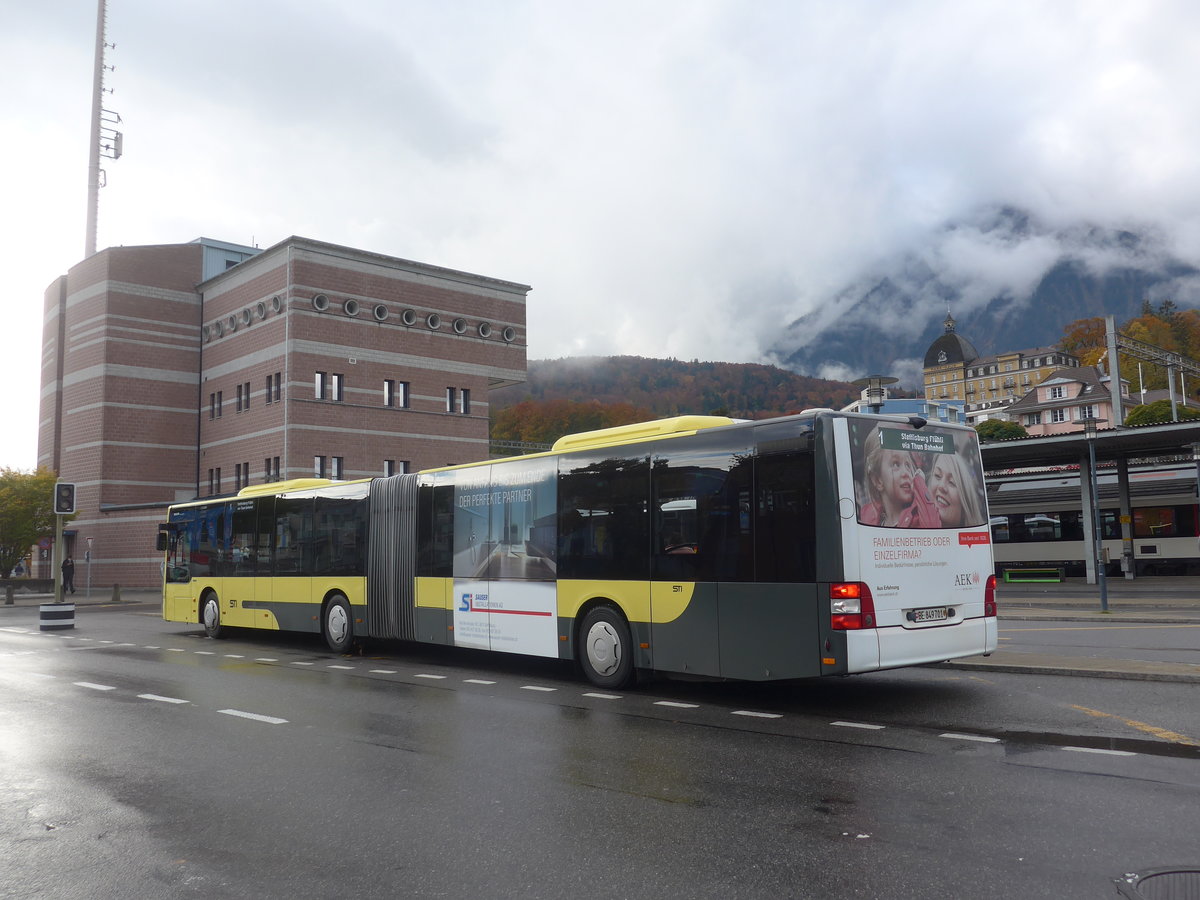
(162, 541)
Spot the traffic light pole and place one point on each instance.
(58, 558)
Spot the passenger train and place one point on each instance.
(1037, 522)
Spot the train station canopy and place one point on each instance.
(1169, 439)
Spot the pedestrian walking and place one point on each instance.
(68, 572)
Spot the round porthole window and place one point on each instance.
(408, 317)
(509, 334)
(205, 333)
(350, 307)
(217, 329)
(381, 312)
(460, 326)
(434, 321)
(485, 329)
(247, 316)
(232, 323)
(320, 303)
(277, 303)
(261, 309)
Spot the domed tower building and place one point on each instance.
(985, 385)
(946, 363)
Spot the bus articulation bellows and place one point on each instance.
(823, 543)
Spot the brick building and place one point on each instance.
(184, 370)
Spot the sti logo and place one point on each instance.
(473, 603)
(966, 579)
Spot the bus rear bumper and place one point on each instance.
(890, 648)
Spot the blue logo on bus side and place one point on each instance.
(466, 603)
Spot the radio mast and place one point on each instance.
(106, 140)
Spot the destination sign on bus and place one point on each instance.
(916, 441)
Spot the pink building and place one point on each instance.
(184, 370)
(1065, 396)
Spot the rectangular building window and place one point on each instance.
(1057, 392)
(218, 490)
(336, 381)
(274, 468)
(319, 466)
(1058, 415)
(1033, 419)
(212, 406)
(267, 469)
(220, 402)
(465, 405)
(451, 399)
(212, 484)
(267, 392)
(389, 468)
(246, 388)
(237, 470)
(319, 385)
(278, 387)
(239, 398)
(395, 393)
(339, 468)
(1087, 411)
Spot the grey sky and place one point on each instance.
(673, 178)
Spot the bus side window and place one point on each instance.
(785, 518)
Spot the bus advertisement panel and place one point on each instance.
(504, 579)
(924, 547)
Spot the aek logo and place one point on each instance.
(966, 579)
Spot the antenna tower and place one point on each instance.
(106, 140)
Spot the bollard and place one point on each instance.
(57, 616)
(116, 598)
(8, 595)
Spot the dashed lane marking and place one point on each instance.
(382, 671)
(597, 696)
(431, 677)
(1098, 750)
(477, 681)
(162, 699)
(858, 725)
(970, 737)
(343, 668)
(756, 715)
(538, 687)
(270, 720)
(676, 705)
(93, 686)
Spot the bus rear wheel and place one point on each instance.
(210, 616)
(338, 624)
(606, 648)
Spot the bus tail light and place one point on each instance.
(989, 597)
(851, 606)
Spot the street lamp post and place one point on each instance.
(1090, 424)
(875, 388)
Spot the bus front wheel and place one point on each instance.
(606, 648)
(339, 626)
(210, 616)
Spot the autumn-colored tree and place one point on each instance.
(1165, 327)
(26, 513)
(545, 421)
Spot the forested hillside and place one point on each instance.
(579, 394)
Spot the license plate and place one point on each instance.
(933, 614)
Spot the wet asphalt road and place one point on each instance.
(139, 759)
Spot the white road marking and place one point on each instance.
(176, 650)
(477, 681)
(234, 656)
(759, 715)
(303, 664)
(162, 699)
(93, 686)
(672, 703)
(344, 668)
(383, 671)
(1097, 750)
(41, 675)
(596, 696)
(204, 652)
(538, 687)
(433, 677)
(270, 720)
(265, 659)
(970, 737)
(151, 647)
(858, 725)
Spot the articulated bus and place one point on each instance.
(822, 543)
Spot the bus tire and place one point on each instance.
(606, 648)
(338, 624)
(210, 615)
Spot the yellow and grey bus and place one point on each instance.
(823, 543)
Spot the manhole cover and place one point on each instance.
(1167, 883)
